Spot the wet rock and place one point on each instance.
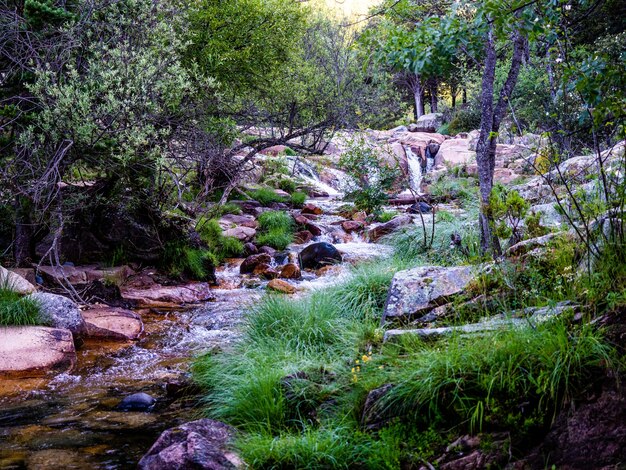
(112, 323)
(352, 225)
(372, 418)
(137, 402)
(168, 296)
(35, 351)
(318, 255)
(248, 207)
(311, 209)
(251, 262)
(300, 219)
(420, 207)
(117, 274)
(290, 271)
(267, 250)
(385, 229)
(101, 292)
(359, 216)
(281, 286)
(466, 453)
(59, 312)
(416, 291)
(311, 216)
(203, 445)
(15, 282)
(250, 249)
(244, 234)
(304, 236)
(314, 229)
(265, 271)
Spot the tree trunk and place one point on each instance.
(418, 97)
(23, 243)
(464, 95)
(491, 119)
(433, 96)
(453, 93)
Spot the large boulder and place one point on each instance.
(158, 296)
(318, 255)
(251, 262)
(290, 271)
(15, 282)
(59, 275)
(35, 351)
(385, 229)
(203, 444)
(427, 123)
(455, 151)
(59, 312)
(112, 323)
(416, 291)
(244, 234)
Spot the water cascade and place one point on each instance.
(415, 169)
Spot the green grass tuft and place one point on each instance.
(266, 196)
(276, 229)
(298, 199)
(16, 310)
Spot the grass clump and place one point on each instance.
(276, 229)
(266, 196)
(298, 199)
(221, 246)
(16, 310)
(386, 216)
(181, 260)
(517, 378)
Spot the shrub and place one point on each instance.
(370, 176)
(17, 310)
(386, 216)
(287, 184)
(181, 260)
(465, 119)
(298, 199)
(211, 234)
(275, 229)
(266, 196)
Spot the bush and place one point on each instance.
(386, 216)
(465, 119)
(298, 199)
(276, 229)
(16, 310)
(287, 184)
(266, 196)
(181, 260)
(220, 246)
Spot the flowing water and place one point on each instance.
(72, 422)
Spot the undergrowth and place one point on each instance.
(276, 229)
(16, 310)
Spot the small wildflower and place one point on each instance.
(380, 367)
(356, 362)
(353, 369)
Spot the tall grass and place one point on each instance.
(276, 229)
(266, 196)
(16, 310)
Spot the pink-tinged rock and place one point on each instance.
(314, 229)
(290, 271)
(281, 286)
(244, 234)
(15, 282)
(168, 296)
(311, 209)
(251, 262)
(303, 236)
(351, 225)
(384, 229)
(227, 221)
(281, 193)
(120, 273)
(59, 274)
(112, 323)
(35, 351)
(455, 151)
(203, 445)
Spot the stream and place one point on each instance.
(72, 422)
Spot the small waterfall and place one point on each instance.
(415, 169)
(307, 173)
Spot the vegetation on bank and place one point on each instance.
(16, 310)
(296, 384)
